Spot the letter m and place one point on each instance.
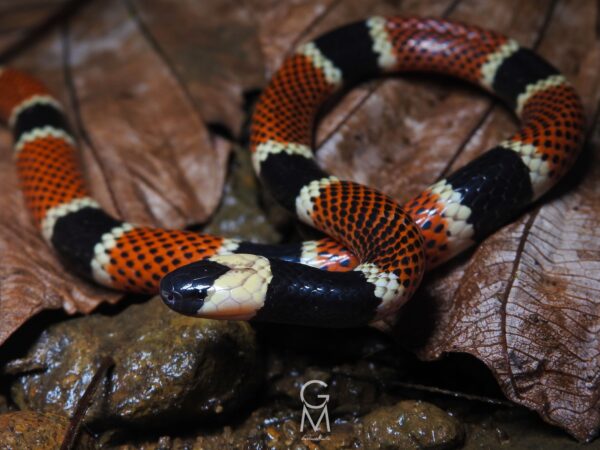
(315, 427)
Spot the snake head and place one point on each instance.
(231, 287)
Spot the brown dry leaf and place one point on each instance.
(213, 46)
(147, 154)
(526, 302)
(18, 18)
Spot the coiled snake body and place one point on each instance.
(389, 247)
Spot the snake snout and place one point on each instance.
(169, 294)
(184, 289)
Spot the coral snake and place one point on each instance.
(390, 246)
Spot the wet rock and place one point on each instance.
(274, 429)
(3, 404)
(169, 368)
(410, 425)
(289, 436)
(405, 425)
(33, 430)
(354, 389)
